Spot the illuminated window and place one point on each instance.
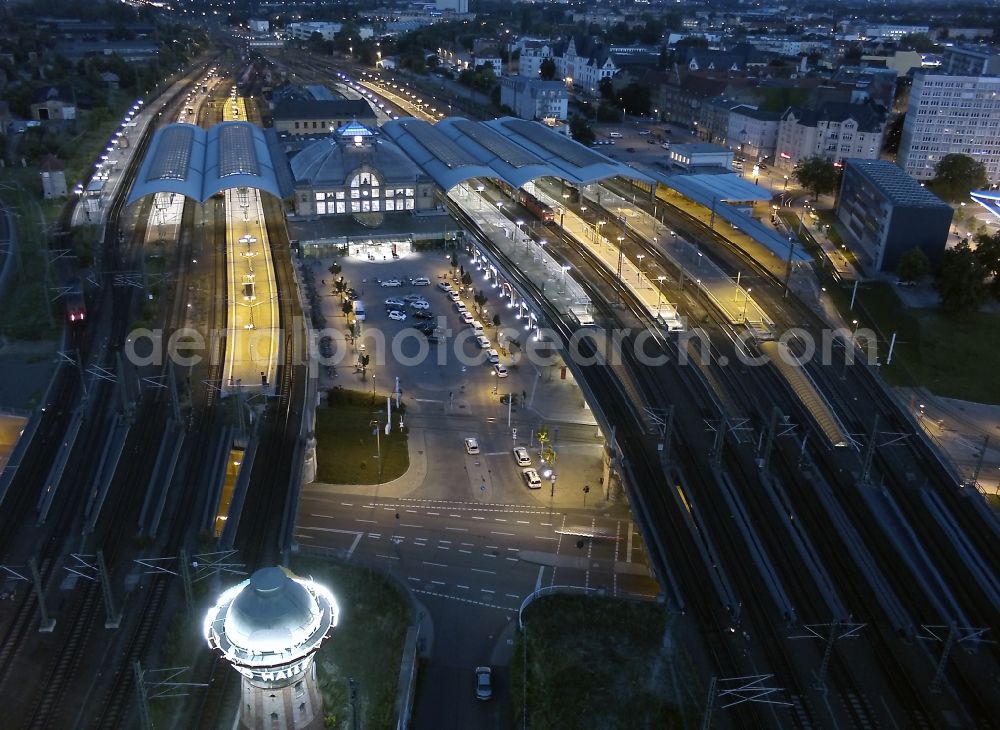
(355, 206)
(341, 207)
(340, 195)
(390, 204)
(409, 203)
(409, 192)
(375, 204)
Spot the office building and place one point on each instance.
(951, 114)
(887, 213)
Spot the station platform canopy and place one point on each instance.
(719, 193)
(198, 163)
(514, 150)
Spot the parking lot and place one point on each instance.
(639, 141)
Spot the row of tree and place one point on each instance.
(969, 275)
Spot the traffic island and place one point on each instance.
(590, 661)
(352, 446)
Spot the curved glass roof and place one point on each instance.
(198, 163)
(354, 128)
(513, 150)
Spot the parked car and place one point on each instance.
(500, 369)
(444, 286)
(390, 282)
(471, 446)
(420, 304)
(394, 302)
(460, 307)
(413, 298)
(453, 295)
(532, 479)
(421, 281)
(492, 356)
(397, 315)
(484, 683)
(467, 318)
(352, 294)
(422, 314)
(483, 342)
(521, 456)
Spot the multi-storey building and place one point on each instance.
(834, 131)
(753, 132)
(951, 114)
(584, 62)
(887, 212)
(970, 61)
(532, 98)
(532, 55)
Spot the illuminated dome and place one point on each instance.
(267, 625)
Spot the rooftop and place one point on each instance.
(322, 109)
(896, 184)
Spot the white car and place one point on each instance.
(453, 295)
(471, 446)
(532, 479)
(444, 286)
(501, 370)
(467, 318)
(397, 315)
(420, 304)
(521, 456)
(394, 302)
(483, 342)
(421, 281)
(492, 356)
(413, 298)
(391, 282)
(460, 307)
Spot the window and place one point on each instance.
(340, 195)
(341, 207)
(390, 205)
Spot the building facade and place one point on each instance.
(357, 172)
(534, 99)
(701, 154)
(529, 63)
(834, 131)
(752, 132)
(584, 62)
(301, 117)
(966, 61)
(888, 213)
(951, 114)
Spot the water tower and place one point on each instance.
(269, 628)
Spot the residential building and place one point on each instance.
(701, 154)
(970, 61)
(888, 213)
(682, 93)
(532, 54)
(583, 62)
(54, 104)
(494, 62)
(951, 114)
(534, 99)
(53, 173)
(753, 132)
(299, 117)
(259, 26)
(835, 131)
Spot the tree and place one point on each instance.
(347, 307)
(454, 261)
(496, 320)
(816, 174)
(335, 268)
(961, 280)
(547, 70)
(607, 88)
(913, 265)
(957, 174)
(988, 254)
(581, 131)
(466, 278)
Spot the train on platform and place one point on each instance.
(529, 201)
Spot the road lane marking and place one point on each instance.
(506, 534)
(438, 582)
(391, 557)
(498, 519)
(523, 522)
(545, 524)
(375, 535)
(545, 537)
(358, 519)
(436, 565)
(492, 547)
(628, 556)
(538, 581)
(454, 515)
(354, 544)
(489, 555)
(443, 547)
(467, 544)
(446, 542)
(464, 600)
(467, 552)
(462, 587)
(486, 590)
(562, 529)
(513, 559)
(483, 570)
(412, 511)
(436, 514)
(457, 529)
(512, 595)
(404, 524)
(476, 517)
(614, 573)
(346, 504)
(513, 550)
(414, 579)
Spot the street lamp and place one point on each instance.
(746, 298)
(786, 183)
(659, 292)
(638, 277)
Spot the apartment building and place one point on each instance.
(534, 99)
(833, 130)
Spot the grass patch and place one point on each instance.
(954, 357)
(28, 312)
(346, 448)
(366, 646)
(593, 662)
